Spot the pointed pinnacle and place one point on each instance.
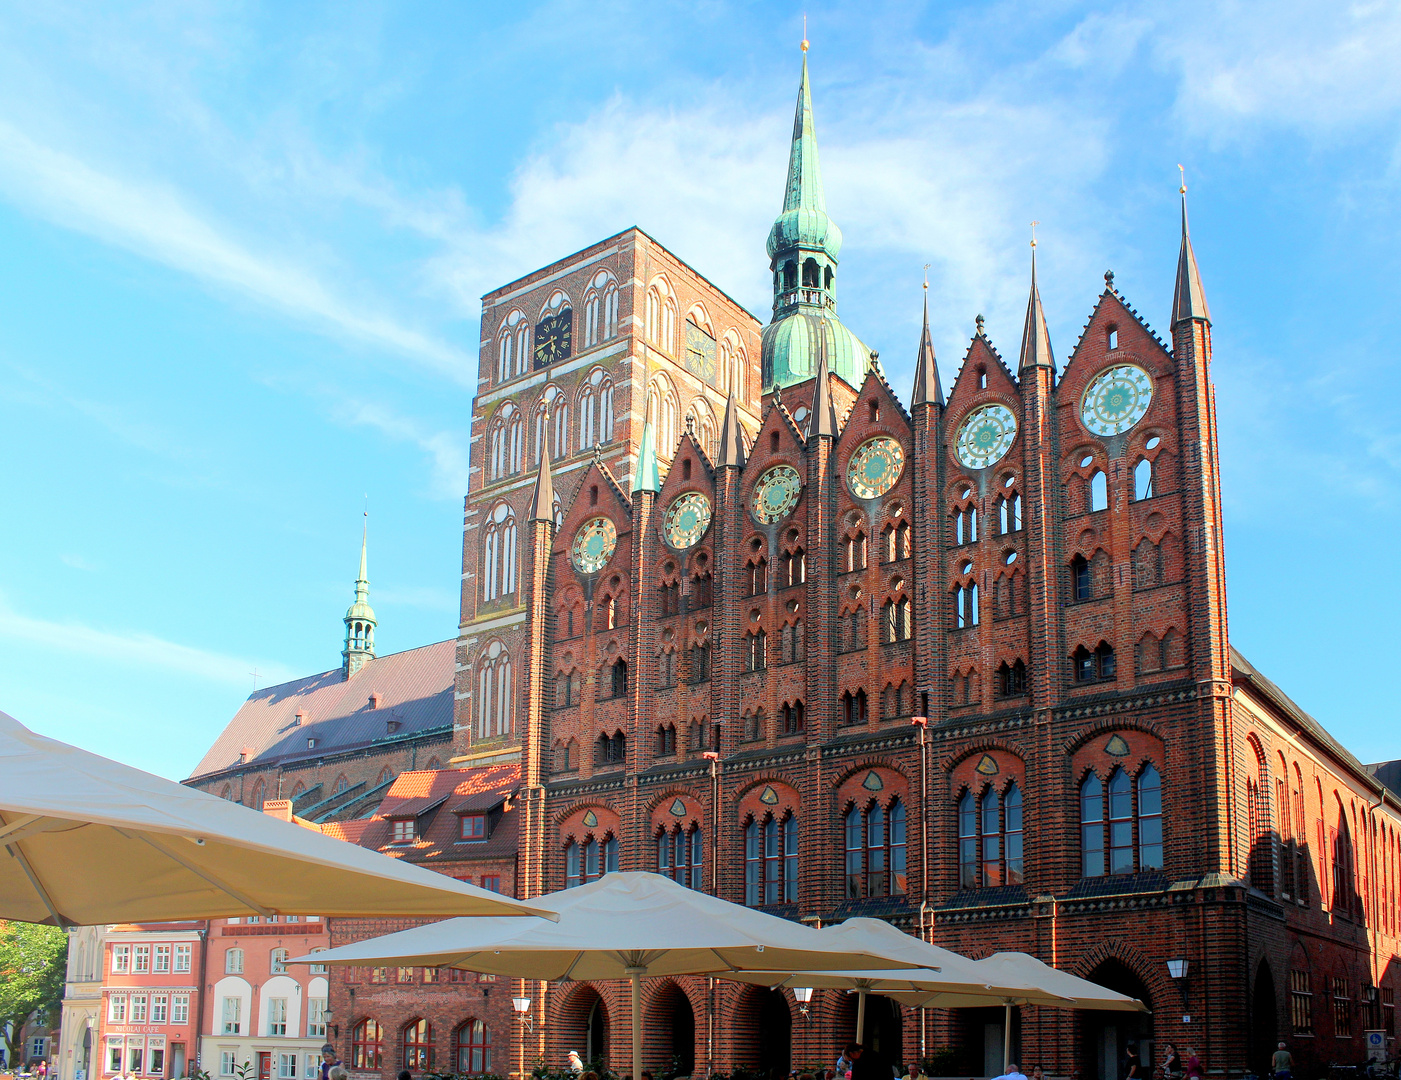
(649, 476)
(804, 189)
(1189, 298)
(1036, 339)
(928, 389)
(824, 410)
(542, 499)
(731, 450)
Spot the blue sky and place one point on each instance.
(243, 246)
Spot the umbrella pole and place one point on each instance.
(1006, 1036)
(635, 975)
(860, 1015)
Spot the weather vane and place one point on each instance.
(804, 45)
(1182, 173)
(1033, 232)
(926, 276)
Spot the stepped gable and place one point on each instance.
(414, 691)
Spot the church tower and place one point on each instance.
(804, 248)
(359, 620)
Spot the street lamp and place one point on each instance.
(521, 1005)
(803, 995)
(1178, 970)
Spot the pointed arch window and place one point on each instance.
(965, 526)
(791, 718)
(1011, 679)
(1132, 814)
(610, 312)
(853, 708)
(965, 606)
(756, 657)
(771, 862)
(1143, 480)
(757, 573)
(1099, 491)
(589, 860)
(899, 620)
(875, 850)
(418, 1046)
(680, 856)
(499, 554)
(1009, 513)
(856, 551)
(495, 692)
(473, 1041)
(367, 1045)
(793, 643)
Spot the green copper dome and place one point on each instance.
(804, 248)
(790, 349)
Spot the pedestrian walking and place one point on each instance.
(576, 1063)
(328, 1060)
(1283, 1063)
(1195, 1069)
(1133, 1067)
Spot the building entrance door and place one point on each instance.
(264, 1065)
(177, 1060)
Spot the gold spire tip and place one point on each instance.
(926, 276)
(804, 44)
(1033, 232)
(1182, 173)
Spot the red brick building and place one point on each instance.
(712, 642)
(735, 612)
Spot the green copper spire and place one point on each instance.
(804, 248)
(649, 477)
(360, 620)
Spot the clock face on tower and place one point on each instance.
(776, 494)
(875, 467)
(686, 520)
(593, 545)
(985, 436)
(554, 338)
(1116, 400)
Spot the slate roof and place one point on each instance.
(434, 798)
(415, 689)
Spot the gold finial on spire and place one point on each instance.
(1181, 172)
(804, 45)
(926, 276)
(1033, 232)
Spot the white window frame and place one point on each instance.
(286, 1066)
(180, 1009)
(115, 1043)
(116, 1009)
(317, 969)
(138, 1008)
(141, 960)
(160, 961)
(316, 1018)
(277, 1016)
(311, 1063)
(121, 959)
(232, 1016)
(160, 1008)
(233, 962)
(182, 959)
(228, 1062)
(277, 961)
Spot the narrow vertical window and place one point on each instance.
(1092, 826)
(853, 854)
(1120, 823)
(899, 882)
(1012, 811)
(991, 813)
(1150, 820)
(967, 842)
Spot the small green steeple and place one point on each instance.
(360, 620)
(804, 248)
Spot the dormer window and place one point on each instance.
(474, 826)
(404, 831)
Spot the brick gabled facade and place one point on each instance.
(962, 689)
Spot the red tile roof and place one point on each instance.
(437, 795)
(415, 691)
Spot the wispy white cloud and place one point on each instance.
(77, 562)
(134, 647)
(157, 221)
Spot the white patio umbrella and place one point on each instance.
(942, 972)
(1068, 992)
(623, 925)
(90, 841)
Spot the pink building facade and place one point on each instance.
(258, 1009)
(149, 1018)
